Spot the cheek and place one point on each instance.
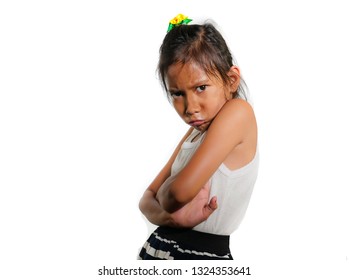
(178, 106)
(228, 94)
(221, 99)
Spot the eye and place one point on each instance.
(201, 88)
(176, 94)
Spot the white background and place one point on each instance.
(85, 127)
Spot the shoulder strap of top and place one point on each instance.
(195, 136)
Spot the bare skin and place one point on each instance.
(204, 103)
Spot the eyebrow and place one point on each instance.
(200, 82)
(195, 84)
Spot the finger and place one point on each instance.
(213, 203)
(210, 208)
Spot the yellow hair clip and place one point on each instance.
(178, 20)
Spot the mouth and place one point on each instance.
(196, 123)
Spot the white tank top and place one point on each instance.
(233, 189)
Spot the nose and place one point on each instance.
(192, 105)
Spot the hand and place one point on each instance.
(197, 210)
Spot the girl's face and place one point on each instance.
(196, 96)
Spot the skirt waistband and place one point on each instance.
(193, 239)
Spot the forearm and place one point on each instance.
(153, 211)
(190, 215)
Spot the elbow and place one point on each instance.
(141, 205)
(182, 193)
(173, 195)
(175, 201)
(144, 201)
(182, 197)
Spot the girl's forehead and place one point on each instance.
(189, 72)
(178, 67)
(189, 75)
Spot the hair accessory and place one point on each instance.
(178, 20)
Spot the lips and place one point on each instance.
(196, 122)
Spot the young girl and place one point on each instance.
(201, 195)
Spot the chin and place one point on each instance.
(202, 128)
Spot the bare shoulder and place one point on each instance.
(235, 114)
(235, 128)
(237, 108)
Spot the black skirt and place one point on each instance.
(167, 243)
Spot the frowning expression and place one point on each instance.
(196, 96)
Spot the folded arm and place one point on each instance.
(229, 129)
(190, 215)
(148, 204)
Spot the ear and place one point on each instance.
(234, 75)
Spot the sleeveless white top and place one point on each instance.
(233, 189)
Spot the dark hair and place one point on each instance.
(202, 44)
